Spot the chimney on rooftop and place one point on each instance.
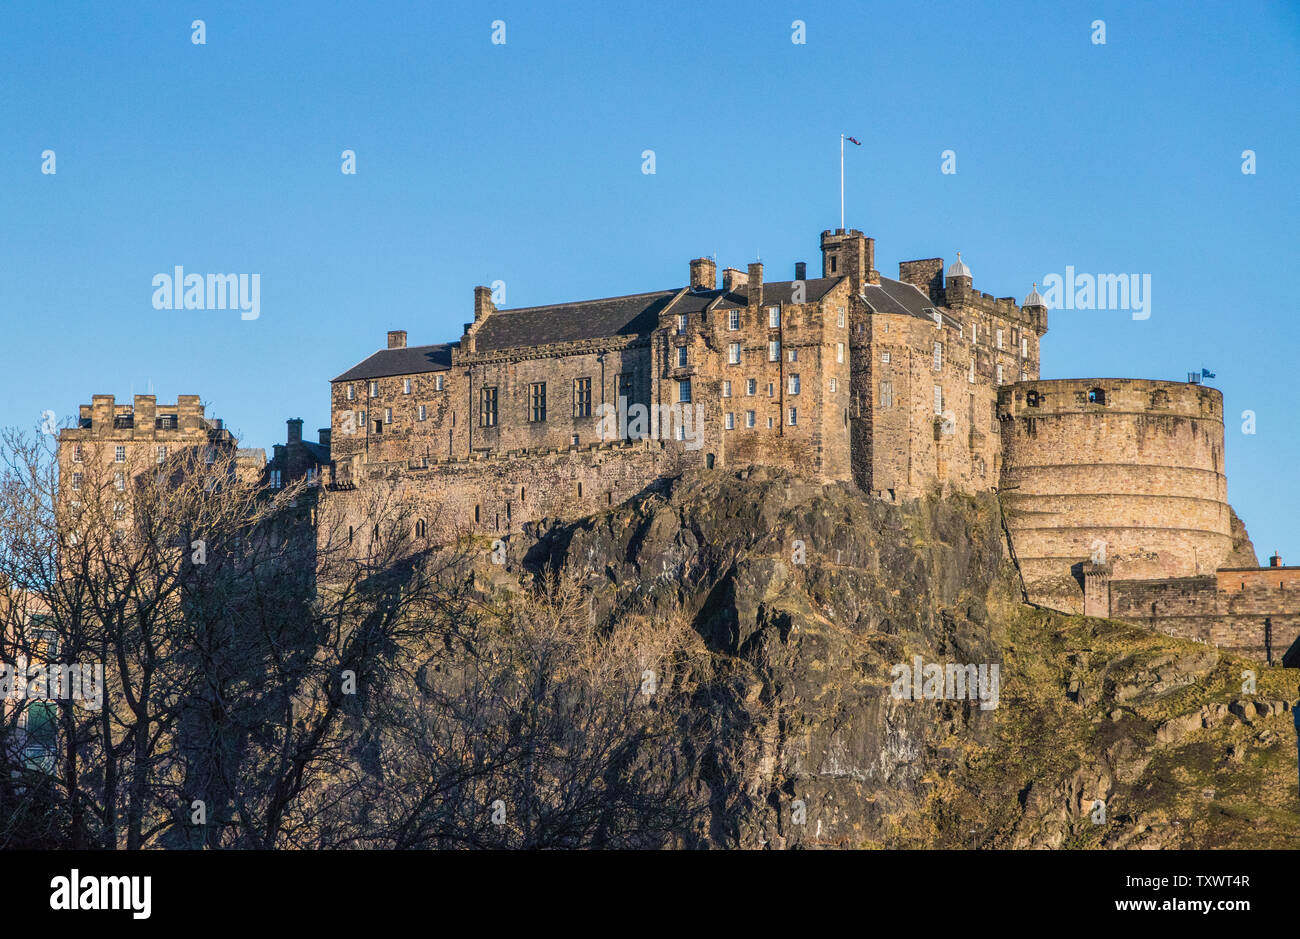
(397, 339)
(324, 437)
(800, 270)
(732, 277)
(483, 305)
(295, 429)
(704, 273)
(756, 283)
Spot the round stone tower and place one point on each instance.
(1115, 478)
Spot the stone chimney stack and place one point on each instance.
(397, 339)
(704, 273)
(324, 437)
(295, 429)
(483, 305)
(800, 270)
(755, 282)
(733, 278)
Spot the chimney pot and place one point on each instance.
(756, 283)
(295, 429)
(800, 270)
(397, 339)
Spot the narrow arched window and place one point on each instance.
(419, 528)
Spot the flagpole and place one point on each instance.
(841, 182)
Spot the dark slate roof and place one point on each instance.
(409, 361)
(634, 315)
(780, 291)
(319, 452)
(895, 296)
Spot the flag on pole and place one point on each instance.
(854, 140)
(1206, 373)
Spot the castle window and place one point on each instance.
(1031, 399)
(76, 480)
(374, 389)
(119, 482)
(839, 352)
(420, 528)
(771, 390)
(582, 397)
(730, 421)
(999, 374)
(749, 418)
(350, 533)
(487, 407)
(681, 356)
(579, 490)
(839, 316)
(774, 351)
(834, 384)
(833, 259)
(938, 356)
(886, 394)
(793, 380)
(352, 392)
(1096, 396)
(792, 355)
(684, 391)
(794, 416)
(681, 324)
(999, 338)
(769, 423)
(379, 426)
(437, 382)
(970, 375)
(476, 514)
(1024, 347)
(974, 333)
(708, 460)
(537, 402)
(733, 353)
(406, 386)
(774, 317)
(726, 389)
(374, 533)
(521, 493)
(938, 399)
(884, 358)
(212, 454)
(388, 415)
(275, 479)
(420, 413)
(733, 320)
(751, 386)
(1024, 376)
(119, 510)
(573, 441)
(119, 454)
(76, 453)
(162, 454)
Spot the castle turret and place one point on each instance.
(959, 284)
(1034, 310)
(849, 254)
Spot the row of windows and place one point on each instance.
(119, 454)
(729, 419)
(438, 385)
(773, 353)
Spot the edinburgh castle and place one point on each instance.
(1114, 491)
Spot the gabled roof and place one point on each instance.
(633, 315)
(408, 361)
(895, 296)
(780, 291)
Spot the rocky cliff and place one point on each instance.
(812, 598)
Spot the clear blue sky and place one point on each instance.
(522, 162)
